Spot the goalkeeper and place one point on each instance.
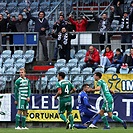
(87, 111)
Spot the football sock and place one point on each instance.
(105, 121)
(115, 118)
(78, 126)
(23, 121)
(96, 119)
(17, 120)
(62, 116)
(70, 117)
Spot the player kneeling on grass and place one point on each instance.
(22, 98)
(65, 88)
(108, 101)
(87, 111)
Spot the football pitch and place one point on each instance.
(63, 130)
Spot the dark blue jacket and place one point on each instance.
(39, 25)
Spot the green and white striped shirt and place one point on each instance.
(22, 89)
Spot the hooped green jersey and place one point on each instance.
(104, 91)
(66, 87)
(22, 89)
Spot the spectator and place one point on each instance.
(12, 28)
(92, 58)
(57, 27)
(64, 43)
(80, 23)
(107, 58)
(41, 25)
(104, 24)
(118, 11)
(117, 59)
(126, 25)
(131, 10)
(128, 59)
(3, 28)
(22, 24)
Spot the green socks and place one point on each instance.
(17, 120)
(115, 118)
(105, 121)
(62, 116)
(23, 121)
(70, 117)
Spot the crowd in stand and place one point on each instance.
(63, 26)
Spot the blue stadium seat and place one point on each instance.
(60, 63)
(50, 73)
(9, 63)
(80, 54)
(29, 56)
(18, 54)
(72, 63)
(100, 69)
(64, 69)
(20, 63)
(111, 70)
(5, 55)
(52, 83)
(86, 71)
(78, 82)
(74, 72)
(41, 83)
(124, 70)
(9, 74)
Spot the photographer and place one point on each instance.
(64, 43)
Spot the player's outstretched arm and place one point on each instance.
(95, 89)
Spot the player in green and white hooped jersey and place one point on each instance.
(22, 98)
(108, 101)
(65, 88)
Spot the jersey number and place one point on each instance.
(66, 89)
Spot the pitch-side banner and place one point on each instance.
(5, 107)
(43, 108)
(119, 82)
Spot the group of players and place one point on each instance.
(65, 89)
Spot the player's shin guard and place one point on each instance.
(23, 121)
(96, 119)
(115, 118)
(17, 120)
(70, 117)
(105, 121)
(62, 116)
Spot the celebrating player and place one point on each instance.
(108, 101)
(22, 98)
(65, 88)
(87, 111)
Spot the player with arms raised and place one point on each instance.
(108, 101)
(22, 98)
(65, 88)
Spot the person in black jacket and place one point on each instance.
(12, 28)
(57, 28)
(41, 25)
(126, 25)
(64, 43)
(104, 24)
(3, 28)
(128, 58)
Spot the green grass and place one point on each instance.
(63, 130)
